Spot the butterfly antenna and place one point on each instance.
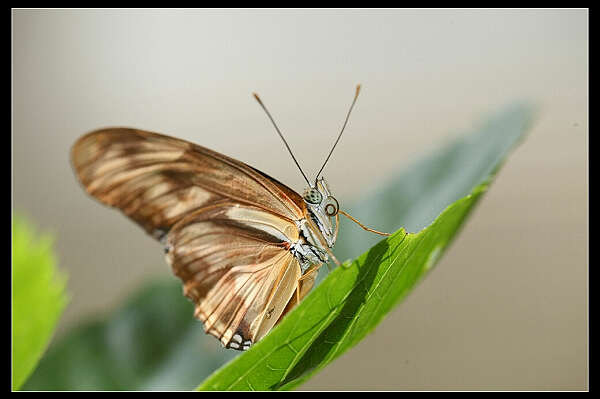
(343, 127)
(281, 135)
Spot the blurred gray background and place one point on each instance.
(507, 306)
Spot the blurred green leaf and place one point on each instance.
(153, 342)
(351, 301)
(38, 298)
(413, 198)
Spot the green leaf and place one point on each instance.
(38, 298)
(352, 300)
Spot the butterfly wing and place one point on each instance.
(228, 227)
(156, 179)
(236, 266)
(305, 284)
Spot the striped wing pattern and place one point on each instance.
(156, 179)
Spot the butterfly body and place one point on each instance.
(246, 247)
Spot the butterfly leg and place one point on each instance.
(310, 273)
(337, 262)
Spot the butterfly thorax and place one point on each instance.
(318, 231)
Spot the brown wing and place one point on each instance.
(156, 180)
(236, 266)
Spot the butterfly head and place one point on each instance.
(323, 208)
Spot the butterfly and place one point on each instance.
(246, 247)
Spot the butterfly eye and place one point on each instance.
(333, 206)
(313, 196)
